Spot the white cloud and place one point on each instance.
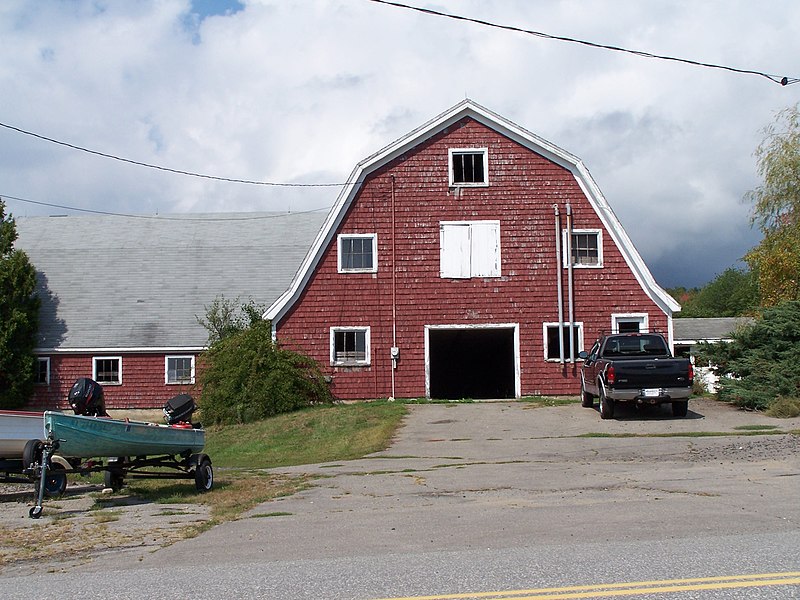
(301, 91)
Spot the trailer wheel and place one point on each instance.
(203, 474)
(35, 512)
(56, 482)
(114, 479)
(32, 453)
(114, 475)
(606, 406)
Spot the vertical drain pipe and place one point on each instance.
(560, 286)
(394, 351)
(569, 286)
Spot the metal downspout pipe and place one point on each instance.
(568, 252)
(560, 285)
(394, 352)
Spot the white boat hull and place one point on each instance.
(16, 428)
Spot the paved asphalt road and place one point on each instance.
(498, 497)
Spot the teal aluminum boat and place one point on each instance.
(86, 437)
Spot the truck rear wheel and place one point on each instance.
(587, 400)
(606, 406)
(680, 408)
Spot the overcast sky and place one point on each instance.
(300, 91)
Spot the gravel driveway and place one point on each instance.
(465, 475)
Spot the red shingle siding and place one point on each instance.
(523, 187)
(142, 382)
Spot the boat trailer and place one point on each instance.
(115, 470)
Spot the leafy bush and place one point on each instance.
(246, 377)
(760, 365)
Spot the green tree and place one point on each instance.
(19, 318)
(759, 367)
(731, 294)
(246, 376)
(776, 210)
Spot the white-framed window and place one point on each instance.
(358, 252)
(586, 248)
(350, 346)
(630, 323)
(107, 370)
(552, 349)
(469, 249)
(178, 369)
(42, 375)
(468, 166)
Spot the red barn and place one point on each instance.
(469, 259)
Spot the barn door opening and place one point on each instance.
(475, 363)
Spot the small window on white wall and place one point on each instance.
(350, 346)
(469, 249)
(107, 370)
(630, 323)
(179, 369)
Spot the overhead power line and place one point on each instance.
(167, 169)
(274, 215)
(429, 11)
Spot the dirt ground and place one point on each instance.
(87, 523)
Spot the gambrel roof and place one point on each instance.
(470, 109)
(120, 283)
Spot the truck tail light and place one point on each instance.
(691, 372)
(611, 377)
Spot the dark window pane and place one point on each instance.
(553, 351)
(584, 249)
(350, 346)
(357, 253)
(468, 168)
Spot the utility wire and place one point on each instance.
(275, 215)
(167, 169)
(428, 11)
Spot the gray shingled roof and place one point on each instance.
(692, 330)
(114, 282)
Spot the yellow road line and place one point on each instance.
(628, 589)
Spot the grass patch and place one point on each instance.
(755, 427)
(234, 493)
(314, 435)
(544, 401)
(271, 514)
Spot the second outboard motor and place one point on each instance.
(86, 398)
(179, 409)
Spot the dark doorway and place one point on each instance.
(472, 363)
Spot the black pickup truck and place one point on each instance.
(635, 367)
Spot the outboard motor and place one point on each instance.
(86, 398)
(179, 409)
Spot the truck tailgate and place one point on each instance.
(649, 373)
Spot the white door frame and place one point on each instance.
(513, 326)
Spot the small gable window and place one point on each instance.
(358, 253)
(586, 248)
(468, 167)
